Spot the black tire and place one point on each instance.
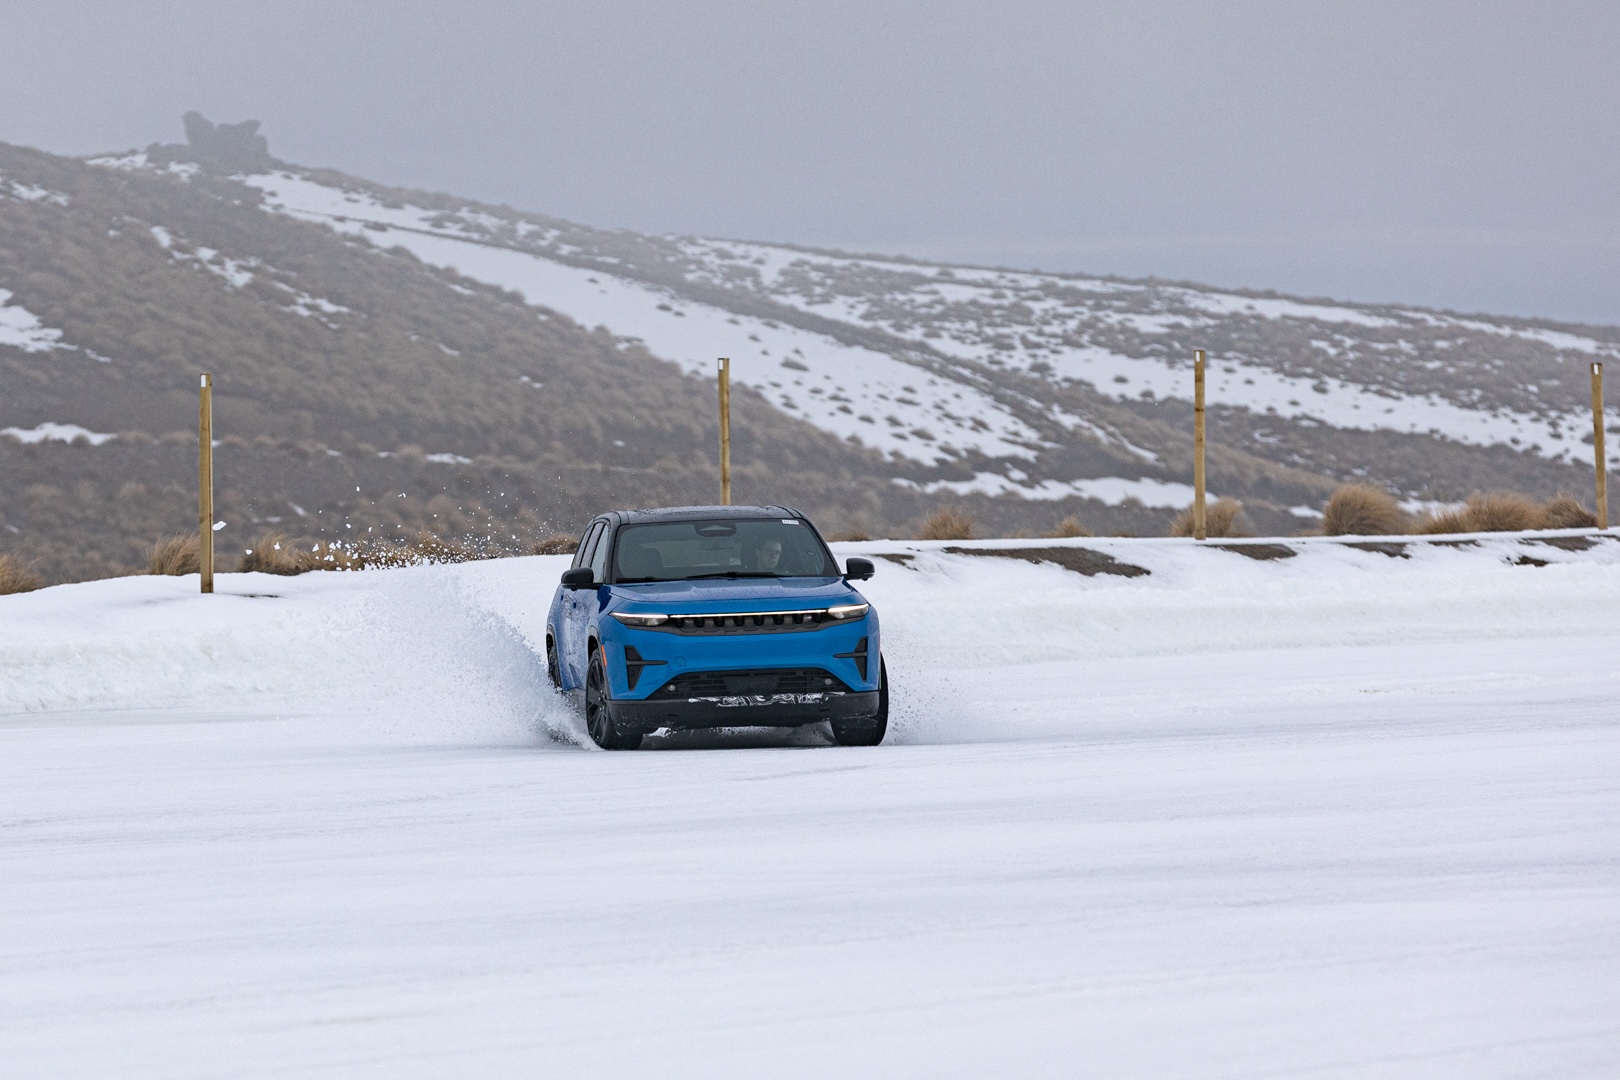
(867, 732)
(598, 717)
(553, 672)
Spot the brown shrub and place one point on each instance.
(555, 544)
(271, 554)
(1222, 518)
(1362, 510)
(427, 548)
(1447, 521)
(326, 556)
(16, 576)
(852, 533)
(1564, 512)
(1503, 511)
(175, 556)
(1070, 526)
(424, 547)
(1494, 511)
(947, 523)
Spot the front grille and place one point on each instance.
(770, 681)
(745, 622)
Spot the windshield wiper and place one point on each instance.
(730, 574)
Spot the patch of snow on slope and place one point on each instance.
(16, 189)
(53, 432)
(1217, 303)
(1335, 402)
(22, 329)
(850, 391)
(307, 306)
(1112, 490)
(138, 162)
(236, 272)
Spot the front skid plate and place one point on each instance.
(763, 710)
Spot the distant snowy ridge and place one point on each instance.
(1003, 383)
(1064, 326)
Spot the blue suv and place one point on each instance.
(715, 616)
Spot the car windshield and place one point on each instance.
(720, 548)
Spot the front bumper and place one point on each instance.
(748, 710)
(661, 657)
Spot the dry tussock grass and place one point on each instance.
(16, 576)
(1070, 526)
(854, 532)
(555, 544)
(1362, 510)
(427, 548)
(176, 556)
(947, 523)
(1430, 523)
(1503, 511)
(274, 554)
(1493, 511)
(1565, 512)
(1224, 518)
(270, 554)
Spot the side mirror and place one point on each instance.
(859, 569)
(580, 577)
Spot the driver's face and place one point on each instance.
(770, 553)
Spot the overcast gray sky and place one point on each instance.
(1463, 155)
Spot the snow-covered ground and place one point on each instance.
(1337, 815)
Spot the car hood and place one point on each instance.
(721, 594)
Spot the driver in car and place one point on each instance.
(768, 555)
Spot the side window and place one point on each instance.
(599, 556)
(583, 554)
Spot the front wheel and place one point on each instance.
(867, 732)
(598, 718)
(553, 672)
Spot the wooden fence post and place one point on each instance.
(1598, 454)
(725, 431)
(1200, 530)
(205, 482)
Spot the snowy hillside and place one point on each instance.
(923, 361)
(1295, 809)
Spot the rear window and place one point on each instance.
(727, 547)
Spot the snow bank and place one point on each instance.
(418, 652)
(453, 651)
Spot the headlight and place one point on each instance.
(848, 611)
(640, 620)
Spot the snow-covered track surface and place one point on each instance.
(1340, 812)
